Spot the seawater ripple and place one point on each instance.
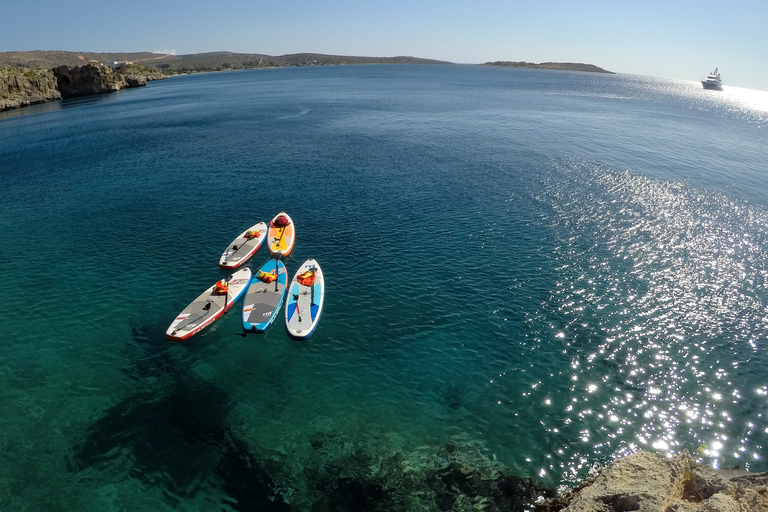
(551, 268)
(662, 313)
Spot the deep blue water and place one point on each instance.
(554, 268)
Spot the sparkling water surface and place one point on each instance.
(559, 267)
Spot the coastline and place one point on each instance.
(650, 482)
(22, 86)
(97, 73)
(561, 66)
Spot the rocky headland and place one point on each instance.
(20, 86)
(93, 79)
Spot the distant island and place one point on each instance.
(40, 76)
(564, 66)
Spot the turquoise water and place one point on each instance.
(553, 268)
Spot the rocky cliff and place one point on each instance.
(88, 79)
(648, 482)
(20, 87)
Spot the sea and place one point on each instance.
(528, 273)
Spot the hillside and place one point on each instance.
(566, 66)
(220, 61)
(53, 58)
(214, 61)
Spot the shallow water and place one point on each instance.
(558, 267)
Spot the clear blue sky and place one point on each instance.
(672, 39)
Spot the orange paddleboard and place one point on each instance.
(281, 236)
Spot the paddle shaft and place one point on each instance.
(190, 320)
(277, 274)
(312, 286)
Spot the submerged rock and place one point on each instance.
(355, 472)
(176, 435)
(454, 484)
(649, 482)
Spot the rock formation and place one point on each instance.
(648, 482)
(88, 79)
(20, 87)
(135, 80)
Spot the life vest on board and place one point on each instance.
(221, 288)
(267, 277)
(307, 278)
(252, 234)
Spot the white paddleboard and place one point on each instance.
(244, 246)
(305, 300)
(209, 306)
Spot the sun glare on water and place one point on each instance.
(747, 98)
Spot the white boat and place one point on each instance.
(713, 81)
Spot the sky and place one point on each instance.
(678, 39)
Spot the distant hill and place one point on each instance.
(53, 58)
(222, 61)
(197, 62)
(567, 66)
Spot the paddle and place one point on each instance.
(296, 298)
(182, 325)
(312, 286)
(277, 273)
(234, 249)
(226, 295)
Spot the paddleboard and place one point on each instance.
(209, 306)
(244, 246)
(281, 237)
(264, 296)
(305, 300)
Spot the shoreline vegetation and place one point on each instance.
(31, 77)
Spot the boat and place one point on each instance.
(305, 301)
(264, 296)
(282, 235)
(209, 306)
(243, 247)
(713, 81)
